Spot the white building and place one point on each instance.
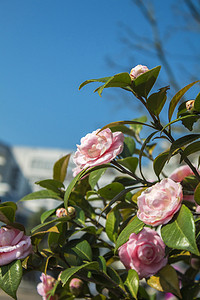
(37, 164)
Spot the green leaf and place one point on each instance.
(83, 250)
(115, 277)
(190, 149)
(95, 176)
(112, 224)
(180, 232)
(138, 124)
(132, 283)
(156, 101)
(7, 214)
(47, 214)
(10, 278)
(197, 103)
(104, 79)
(184, 140)
(111, 190)
(57, 220)
(43, 194)
(144, 83)
(67, 274)
(60, 168)
(71, 186)
(134, 226)
(159, 162)
(190, 117)
(130, 163)
(166, 280)
(119, 123)
(51, 184)
(102, 264)
(177, 98)
(197, 194)
(129, 147)
(121, 80)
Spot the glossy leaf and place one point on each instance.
(190, 149)
(144, 83)
(10, 278)
(197, 103)
(121, 80)
(102, 264)
(67, 274)
(112, 224)
(177, 144)
(115, 277)
(71, 186)
(188, 118)
(47, 214)
(130, 163)
(132, 283)
(134, 226)
(156, 101)
(83, 250)
(129, 147)
(166, 280)
(51, 184)
(111, 190)
(159, 162)
(177, 98)
(56, 220)
(7, 214)
(104, 79)
(43, 194)
(197, 194)
(60, 168)
(137, 127)
(95, 176)
(180, 233)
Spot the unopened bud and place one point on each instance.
(71, 211)
(137, 71)
(76, 286)
(61, 212)
(190, 105)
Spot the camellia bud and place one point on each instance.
(137, 71)
(76, 286)
(190, 105)
(71, 211)
(61, 212)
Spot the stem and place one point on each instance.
(125, 171)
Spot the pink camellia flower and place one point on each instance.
(144, 252)
(137, 71)
(45, 286)
(97, 148)
(180, 173)
(158, 204)
(14, 244)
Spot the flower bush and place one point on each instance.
(114, 240)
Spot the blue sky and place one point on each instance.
(48, 48)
